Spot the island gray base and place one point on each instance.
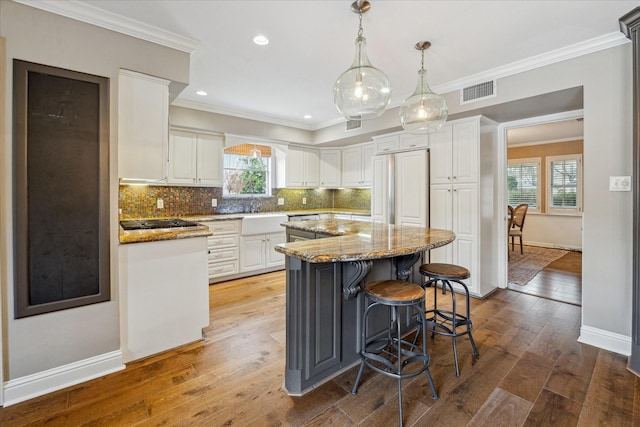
(323, 315)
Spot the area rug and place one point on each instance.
(523, 268)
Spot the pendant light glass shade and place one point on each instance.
(362, 92)
(424, 111)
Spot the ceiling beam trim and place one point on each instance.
(101, 18)
(579, 49)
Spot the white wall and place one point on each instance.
(553, 231)
(38, 344)
(607, 246)
(204, 120)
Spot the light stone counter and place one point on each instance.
(154, 235)
(360, 240)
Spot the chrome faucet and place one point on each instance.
(254, 207)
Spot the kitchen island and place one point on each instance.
(327, 263)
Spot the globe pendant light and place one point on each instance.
(362, 92)
(424, 111)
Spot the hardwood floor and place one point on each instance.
(531, 372)
(561, 280)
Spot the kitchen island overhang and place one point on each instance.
(323, 299)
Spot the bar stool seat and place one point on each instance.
(450, 323)
(391, 355)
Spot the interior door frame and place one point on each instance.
(501, 190)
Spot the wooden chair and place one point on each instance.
(517, 224)
(509, 226)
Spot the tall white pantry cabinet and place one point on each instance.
(462, 184)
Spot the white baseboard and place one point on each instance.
(34, 385)
(606, 340)
(548, 245)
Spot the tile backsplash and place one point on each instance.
(142, 201)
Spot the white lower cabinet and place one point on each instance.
(454, 208)
(223, 249)
(258, 253)
(164, 296)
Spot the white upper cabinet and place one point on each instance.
(210, 160)
(195, 158)
(143, 126)
(330, 168)
(386, 143)
(410, 141)
(303, 167)
(455, 153)
(357, 166)
(399, 141)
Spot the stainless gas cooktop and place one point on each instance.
(148, 224)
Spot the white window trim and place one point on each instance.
(549, 193)
(538, 162)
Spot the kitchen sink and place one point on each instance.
(263, 223)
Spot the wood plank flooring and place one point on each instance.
(531, 372)
(561, 280)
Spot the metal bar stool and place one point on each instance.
(390, 354)
(448, 322)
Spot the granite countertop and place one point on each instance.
(359, 240)
(240, 215)
(141, 236)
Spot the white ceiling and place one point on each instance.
(566, 130)
(311, 43)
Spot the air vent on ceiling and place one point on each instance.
(353, 124)
(478, 92)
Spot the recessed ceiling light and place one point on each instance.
(261, 40)
(307, 116)
(201, 93)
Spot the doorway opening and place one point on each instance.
(543, 170)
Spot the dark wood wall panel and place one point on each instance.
(61, 183)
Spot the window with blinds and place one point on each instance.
(522, 182)
(247, 169)
(564, 175)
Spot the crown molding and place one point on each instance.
(99, 17)
(243, 114)
(573, 51)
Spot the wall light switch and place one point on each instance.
(619, 183)
(214, 203)
(304, 200)
(280, 201)
(160, 204)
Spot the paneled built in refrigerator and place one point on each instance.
(400, 188)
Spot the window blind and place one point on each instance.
(522, 184)
(564, 183)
